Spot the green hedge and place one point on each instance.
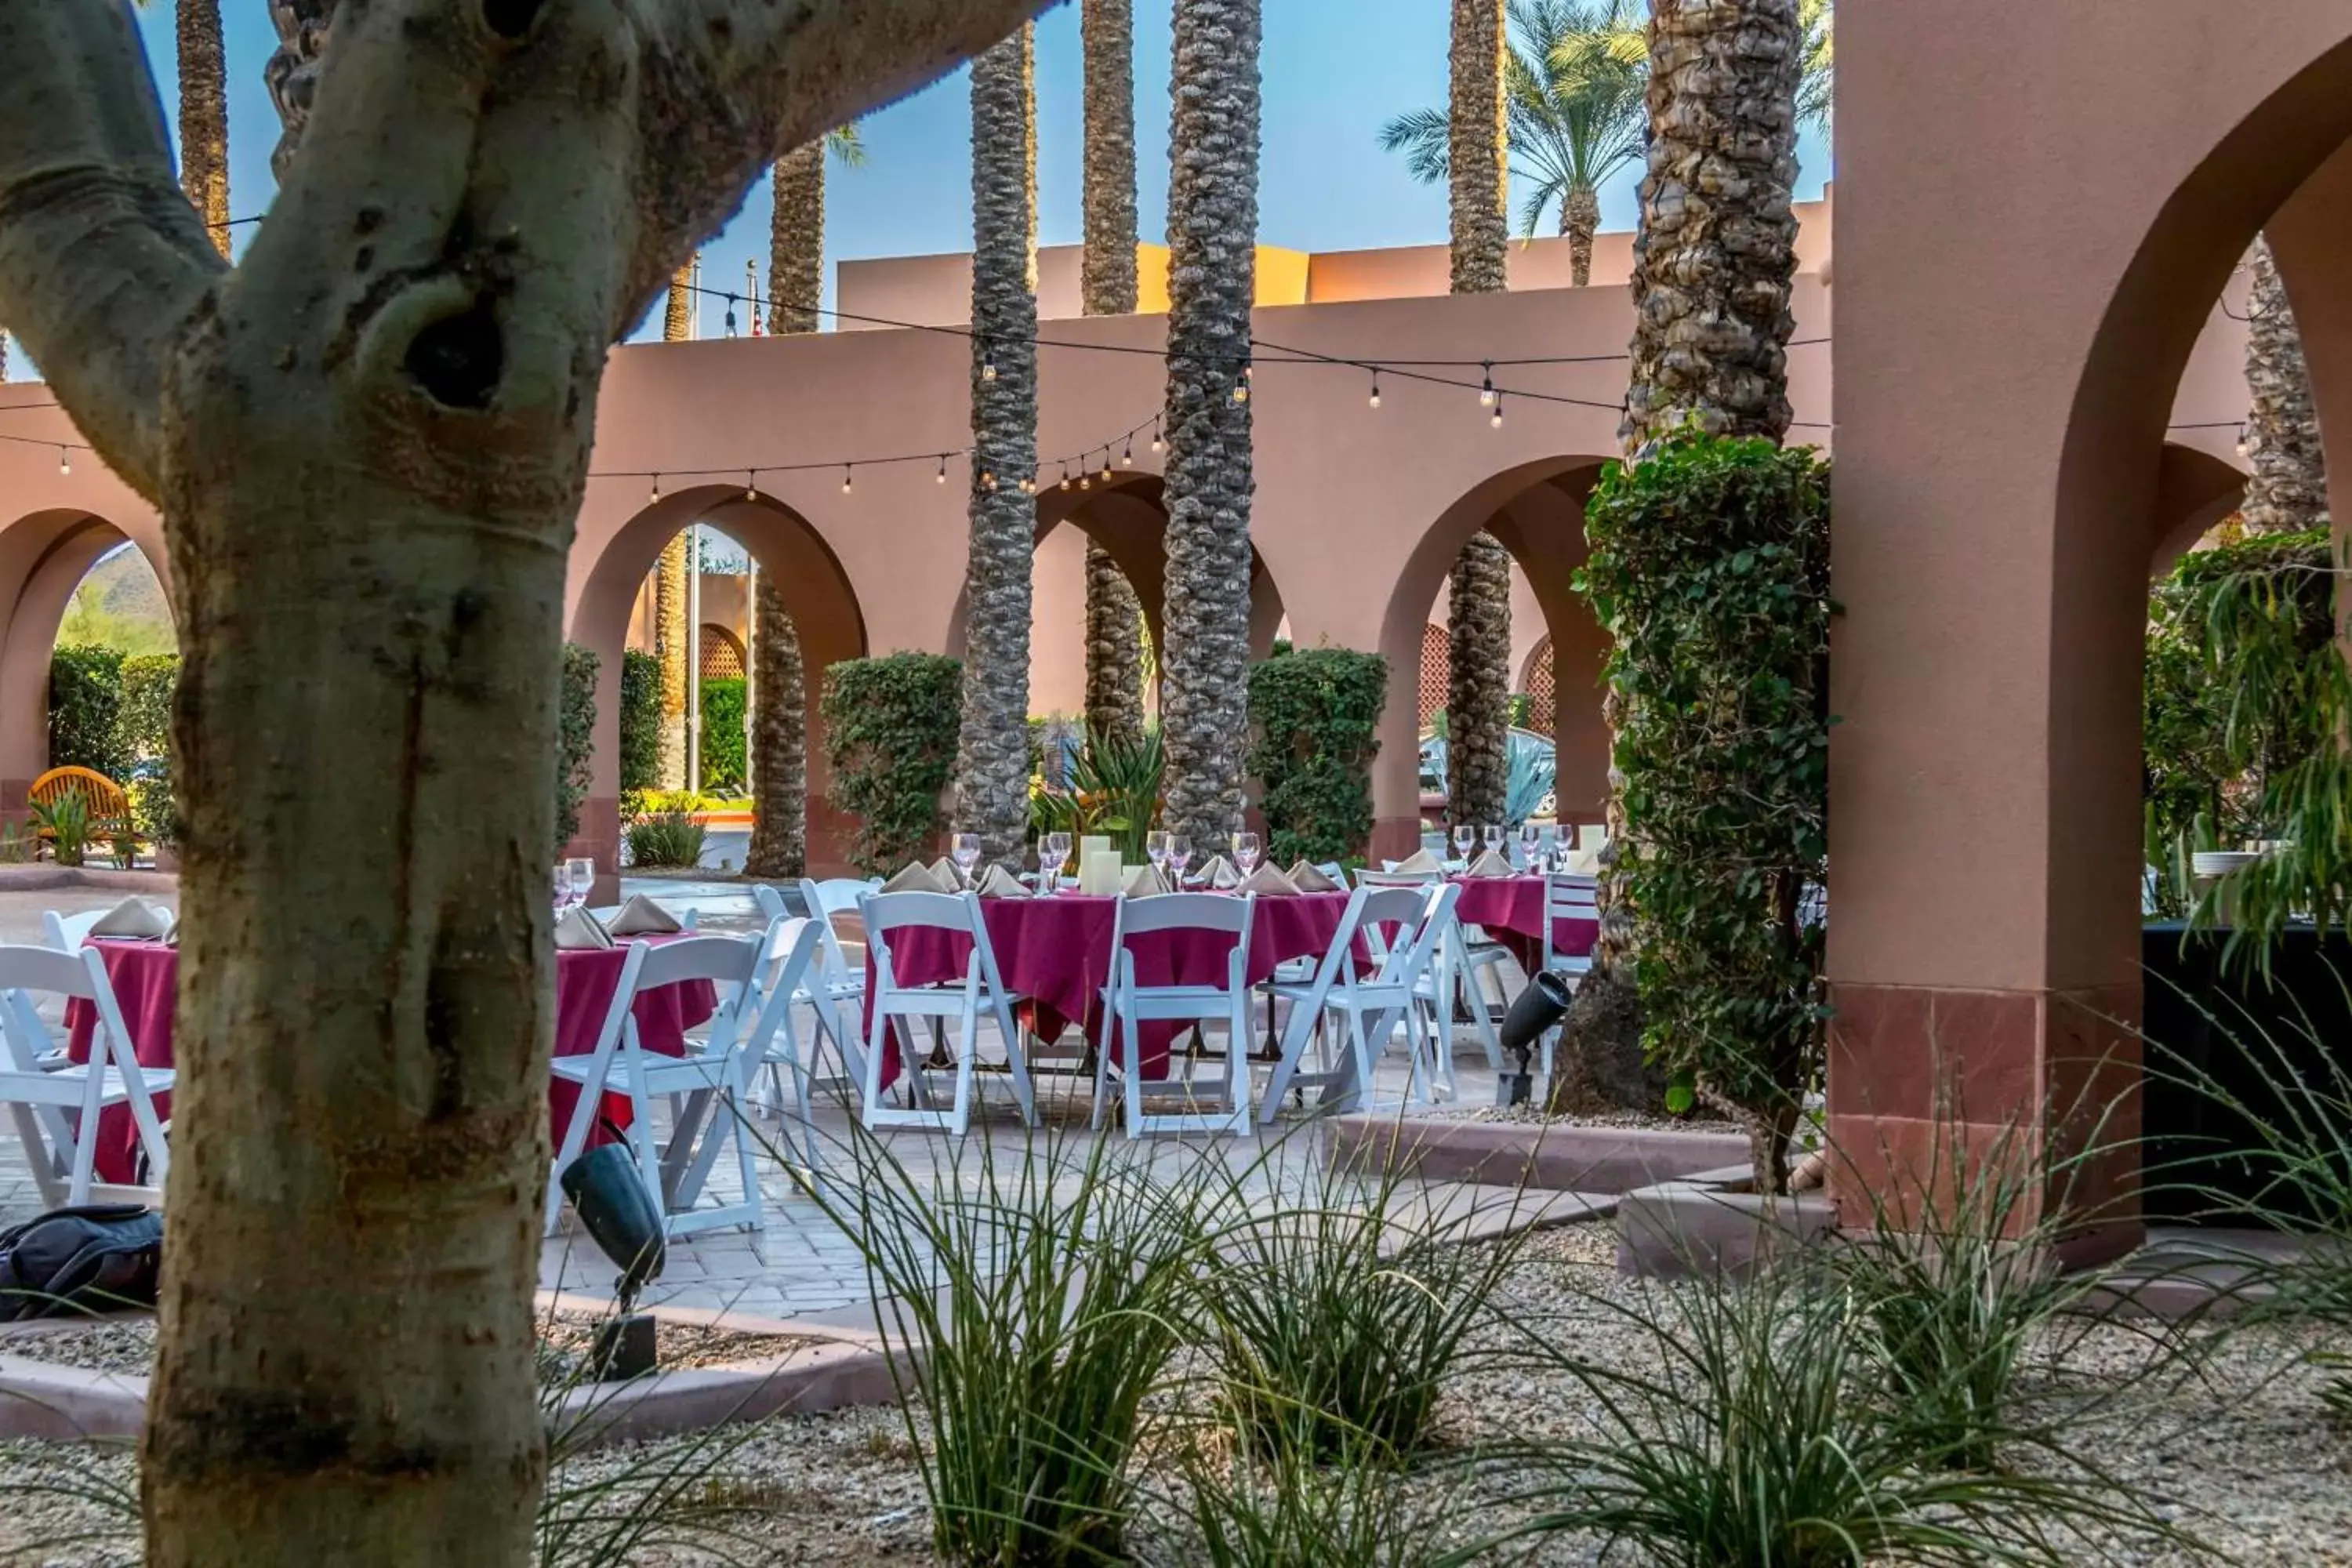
(725, 769)
(1314, 714)
(85, 708)
(142, 724)
(890, 731)
(575, 740)
(1710, 571)
(640, 721)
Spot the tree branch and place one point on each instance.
(103, 260)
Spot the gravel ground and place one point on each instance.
(1646, 1120)
(2243, 1455)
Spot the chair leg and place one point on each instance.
(1102, 1064)
(1132, 1075)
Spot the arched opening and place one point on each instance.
(817, 594)
(45, 558)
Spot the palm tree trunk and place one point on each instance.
(1114, 614)
(203, 115)
(1579, 220)
(1212, 279)
(292, 74)
(2287, 492)
(671, 634)
(778, 741)
(1711, 328)
(991, 775)
(1478, 685)
(797, 242)
(4, 355)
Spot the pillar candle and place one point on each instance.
(1100, 873)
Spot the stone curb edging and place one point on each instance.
(1709, 1223)
(1544, 1156)
(47, 878)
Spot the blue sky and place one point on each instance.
(1334, 70)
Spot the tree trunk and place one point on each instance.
(4, 356)
(292, 74)
(2287, 492)
(1114, 614)
(670, 639)
(992, 776)
(1478, 684)
(1477, 165)
(779, 741)
(1212, 279)
(797, 242)
(203, 115)
(1579, 220)
(1715, 257)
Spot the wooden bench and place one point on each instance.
(110, 809)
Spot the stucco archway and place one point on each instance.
(817, 593)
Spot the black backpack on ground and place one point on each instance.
(102, 1257)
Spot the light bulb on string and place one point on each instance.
(987, 363)
(1127, 458)
(1497, 420)
(1376, 389)
(65, 461)
(1066, 475)
(1486, 394)
(1106, 473)
(987, 479)
(1028, 484)
(2243, 444)
(751, 484)
(848, 478)
(655, 498)
(1156, 443)
(943, 469)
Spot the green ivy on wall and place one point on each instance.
(1315, 715)
(890, 733)
(725, 766)
(1710, 571)
(640, 721)
(576, 720)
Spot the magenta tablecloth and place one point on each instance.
(145, 974)
(1511, 909)
(1056, 952)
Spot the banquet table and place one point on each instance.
(144, 975)
(1054, 950)
(1511, 909)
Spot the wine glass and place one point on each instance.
(1057, 855)
(965, 849)
(562, 888)
(1530, 846)
(1464, 838)
(583, 877)
(1179, 850)
(1245, 852)
(1493, 837)
(1155, 850)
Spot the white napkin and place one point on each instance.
(580, 931)
(1219, 873)
(1308, 878)
(944, 872)
(1420, 860)
(1584, 862)
(643, 917)
(997, 882)
(134, 917)
(916, 879)
(1142, 882)
(1491, 864)
(1267, 881)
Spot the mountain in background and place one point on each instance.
(120, 604)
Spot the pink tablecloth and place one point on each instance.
(145, 974)
(1511, 909)
(1056, 952)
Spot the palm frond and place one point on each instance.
(1421, 136)
(847, 147)
(1817, 89)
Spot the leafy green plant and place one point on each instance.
(1710, 571)
(1336, 1322)
(1315, 717)
(1534, 769)
(1042, 1295)
(15, 845)
(143, 718)
(666, 838)
(575, 740)
(67, 822)
(724, 752)
(1114, 791)
(890, 731)
(85, 705)
(641, 721)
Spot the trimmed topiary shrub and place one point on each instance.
(85, 708)
(575, 740)
(143, 722)
(724, 768)
(890, 729)
(1710, 571)
(640, 721)
(1314, 714)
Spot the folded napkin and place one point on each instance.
(1308, 878)
(643, 917)
(1491, 864)
(1219, 873)
(1584, 862)
(1418, 861)
(997, 882)
(944, 872)
(1142, 882)
(580, 931)
(134, 917)
(917, 878)
(1267, 881)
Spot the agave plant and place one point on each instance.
(1114, 791)
(66, 820)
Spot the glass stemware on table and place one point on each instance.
(964, 849)
(1179, 853)
(1245, 853)
(1531, 856)
(1155, 850)
(566, 894)
(1493, 835)
(1053, 854)
(1465, 838)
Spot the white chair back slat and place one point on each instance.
(981, 991)
(67, 932)
(1128, 1005)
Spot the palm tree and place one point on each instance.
(671, 634)
(1213, 278)
(779, 679)
(991, 774)
(2287, 492)
(1572, 81)
(1114, 614)
(203, 115)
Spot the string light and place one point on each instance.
(1497, 420)
(1157, 444)
(656, 498)
(1376, 389)
(1106, 473)
(65, 461)
(943, 467)
(751, 484)
(848, 478)
(1487, 393)
(987, 479)
(2243, 444)
(1127, 458)
(1066, 475)
(1028, 484)
(987, 363)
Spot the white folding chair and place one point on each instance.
(1566, 896)
(1128, 1005)
(719, 1072)
(1457, 974)
(836, 987)
(67, 932)
(981, 988)
(1372, 1008)
(789, 952)
(55, 1109)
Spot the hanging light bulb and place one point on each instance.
(943, 469)
(1376, 389)
(987, 479)
(751, 484)
(1127, 458)
(2243, 444)
(657, 495)
(1066, 475)
(1028, 484)
(1157, 444)
(1105, 474)
(1240, 389)
(987, 363)
(1487, 393)
(65, 461)
(848, 478)
(1497, 420)
(730, 315)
